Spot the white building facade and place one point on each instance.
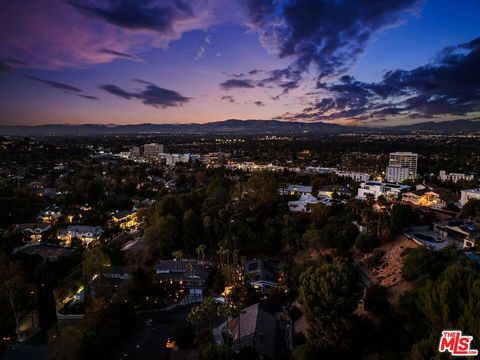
(407, 159)
(469, 194)
(454, 177)
(397, 173)
(377, 188)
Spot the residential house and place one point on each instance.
(48, 252)
(35, 231)
(51, 213)
(459, 231)
(191, 275)
(424, 197)
(303, 205)
(115, 275)
(126, 220)
(85, 234)
(258, 328)
(330, 191)
(263, 274)
(296, 190)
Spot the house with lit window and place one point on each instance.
(424, 197)
(263, 274)
(51, 213)
(188, 274)
(35, 231)
(459, 232)
(296, 190)
(303, 205)
(126, 220)
(86, 235)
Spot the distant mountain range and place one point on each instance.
(234, 126)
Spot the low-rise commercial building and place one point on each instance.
(454, 177)
(469, 194)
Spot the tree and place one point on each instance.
(262, 188)
(329, 295)
(14, 290)
(471, 208)
(449, 302)
(162, 236)
(366, 243)
(66, 344)
(421, 262)
(402, 216)
(94, 260)
(192, 231)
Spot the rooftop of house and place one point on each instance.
(119, 215)
(53, 209)
(184, 269)
(82, 229)
(338, 188)
(256, 327)
(47, 250)
(477, 190)
(40, 226)
(298, 188)
(390, 185)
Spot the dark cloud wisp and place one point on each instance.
(237, 84)
(138, 14)
(121, 55)
(152, 95)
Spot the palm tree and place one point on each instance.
(207, 223)
(225, 311)
(201, 253)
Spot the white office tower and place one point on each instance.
(152, 150)
(397, 173)
(407, 159)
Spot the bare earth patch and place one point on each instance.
(389, 272)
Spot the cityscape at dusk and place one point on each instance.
(239, 179)
(126, 62)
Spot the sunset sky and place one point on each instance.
(365, 62)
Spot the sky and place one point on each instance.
(363, 62)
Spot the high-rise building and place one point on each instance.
(135, 152)
(397, 173)
(152, 150)
(407, 159)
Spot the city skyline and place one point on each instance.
(351, 62)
